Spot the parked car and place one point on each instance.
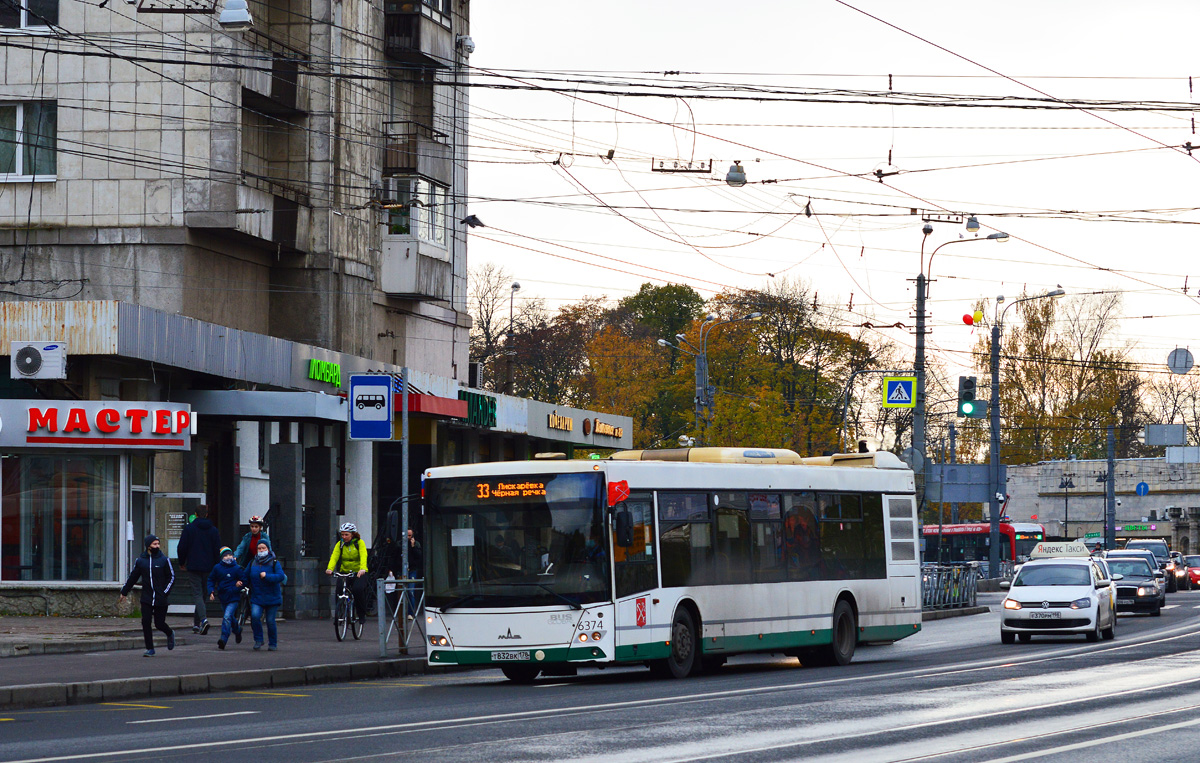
(1161, 552)
(1134, 553)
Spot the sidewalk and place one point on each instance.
(64, 660)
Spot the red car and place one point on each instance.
(1193, 564)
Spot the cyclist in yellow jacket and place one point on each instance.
(350, 556)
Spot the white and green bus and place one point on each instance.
(675, 559)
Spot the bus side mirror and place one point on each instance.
(623, 526)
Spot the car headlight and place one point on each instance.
(1170, 565)
(1012, 604)
(1144, 591)
(1084, 603)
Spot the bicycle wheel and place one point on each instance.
(242, 614)
(341, 618)
(356, 623)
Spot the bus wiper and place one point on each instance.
(548, 589)
(461, 600)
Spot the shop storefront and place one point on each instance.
(75, 489)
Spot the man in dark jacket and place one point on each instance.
(199, 547)
(156, 574)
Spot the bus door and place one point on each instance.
(904, 564)
(635, 570)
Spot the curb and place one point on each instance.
(49, 695)
(31, 649)
(942, 614)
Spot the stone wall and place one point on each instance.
(64, 601)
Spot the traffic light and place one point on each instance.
(968, 405)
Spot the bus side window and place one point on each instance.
(766, 531)
(801, 537)
(686, 543)
(636, 569)
(731, 544)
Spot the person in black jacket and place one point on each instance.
(156, 574)
(199, 546)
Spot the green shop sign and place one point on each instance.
(481, 409)
(325, 371)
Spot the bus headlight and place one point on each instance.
(439, 641)
(583, 637)
(1012, 604)
(597, 636)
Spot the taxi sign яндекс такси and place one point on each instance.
(1048, 549)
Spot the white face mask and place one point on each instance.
(263, 554)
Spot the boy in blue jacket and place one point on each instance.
(267, 579)
(226, 581)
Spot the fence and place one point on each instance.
(406, 615)
(945, 586)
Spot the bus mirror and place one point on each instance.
(623, 526)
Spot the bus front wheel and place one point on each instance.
(520, 674)
(683, 648)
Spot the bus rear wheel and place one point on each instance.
(843, 638)
(683, 648)
(520, 674)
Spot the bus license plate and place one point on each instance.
(510, 656)
(1045, 615)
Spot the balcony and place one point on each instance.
(414, 269)
(415, 149)
(417, 32)
(271, 84)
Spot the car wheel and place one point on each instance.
(1007, 638)
(1157, 611)
(1094, 634)
(1171, 587)
(1110, 632)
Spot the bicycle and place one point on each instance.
(242, 614)
(343, 613)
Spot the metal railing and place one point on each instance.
(404, 592)
(945, 586)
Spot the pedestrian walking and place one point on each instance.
(350, 556)
(226, 582)
(248, 545)
(154, 571)
(416, 570)
(199, 546)
(267, 579)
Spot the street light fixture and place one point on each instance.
(235, 16)
(704, 393)
(994, 461)
(924, 272)
(736, 177)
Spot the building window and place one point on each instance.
(417, 208)
(27, 140)
(59, 517)
(26, 14)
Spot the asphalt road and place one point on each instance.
(950, 693)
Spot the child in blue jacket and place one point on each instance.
(267, 579)
(226, 582)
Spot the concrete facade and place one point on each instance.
(1171, 508)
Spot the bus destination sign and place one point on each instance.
(489, 490)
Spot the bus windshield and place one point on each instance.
(527, 540)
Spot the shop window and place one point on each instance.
(59, 517)
(28, 140)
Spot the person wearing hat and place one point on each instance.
(156, 574)
(247, 546)
(267, 579)
(226, 581)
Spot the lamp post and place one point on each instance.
(1065, 485)
(516, 287)
(926, 270)
(994, 494)
(704, 392)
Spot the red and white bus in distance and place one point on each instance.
(969, 542)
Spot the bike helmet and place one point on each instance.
(255, 520)
(348, 528)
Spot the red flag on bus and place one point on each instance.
(617, 492)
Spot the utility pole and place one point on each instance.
(1066, 484)
(994, 461)
(953, 460)
(919, 410)
(1110, 494)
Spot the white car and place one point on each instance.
(1057, 597)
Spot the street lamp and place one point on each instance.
(736, 177)
(923, 273)
(1065, 485)
(516, 287)
(704, 393)
(994, 462)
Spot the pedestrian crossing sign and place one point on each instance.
(899, 392)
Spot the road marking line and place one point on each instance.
(197, 717)
(129, 704)
(1095, 742)
(7, 719)
(273, 694)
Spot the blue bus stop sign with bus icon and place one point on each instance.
(371, 407)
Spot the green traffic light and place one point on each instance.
(968, 408)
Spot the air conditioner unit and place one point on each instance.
(39, 360)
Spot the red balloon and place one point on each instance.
(967, 319)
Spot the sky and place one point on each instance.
(1092, 199)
